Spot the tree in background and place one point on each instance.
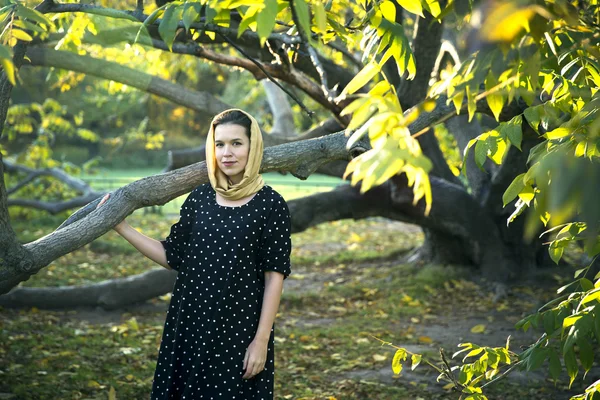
(519, 99)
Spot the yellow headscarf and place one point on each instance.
(252, 181)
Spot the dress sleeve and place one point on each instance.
(276, 243)
(177, 240)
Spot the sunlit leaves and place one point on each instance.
(303, 15)
(168, 25)
(7, 63)
(505, 21)
(412, 6)
(266, 20)
(393, 151)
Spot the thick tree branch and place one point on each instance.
(264, 71)
(283, 117)
(182, 158)
(299, 158)
(203, 102)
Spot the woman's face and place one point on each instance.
(232, 146)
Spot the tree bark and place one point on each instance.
(299, 158)
(283, 118)
(203, 102)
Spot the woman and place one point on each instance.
(231, 247)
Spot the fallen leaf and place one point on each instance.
(478, 328)
(425, 339)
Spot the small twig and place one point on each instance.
(448, 371)
(329, 94)
(423, 360)
(508, 371)
(21, 184)
(268, 75)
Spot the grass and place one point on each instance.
(345, 290)
(110, 256)
(287, 185)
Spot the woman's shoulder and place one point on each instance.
(272, 194)
(201, 189)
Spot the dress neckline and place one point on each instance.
(214, 197)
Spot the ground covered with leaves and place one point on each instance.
(349, 290)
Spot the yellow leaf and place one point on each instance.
(22, 35)
(93, 384)
(112, 394)
(478, 328)
(425, 339)
(448, 386)
(129, 377)
(399, 356)
(505, 21)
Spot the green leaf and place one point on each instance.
(549, 320)
(556, 253)
(303, 17)
(265, 20)
(320, 16)
(513, 189)
(481, 150)
(513, 131)
(471, 102)
(495, 100)
(586, 353)
(571, 364)
(536, 358)
(148, 21)
(533, 117)
(34, 15)
(555, 366)
(168, 26)
(413, 6)
(362, 78)
(191, 11)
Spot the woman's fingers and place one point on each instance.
(254, 368)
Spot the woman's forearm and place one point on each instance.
(270, 305)
(151, 248)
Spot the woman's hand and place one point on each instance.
(255, 358)
(121, 225)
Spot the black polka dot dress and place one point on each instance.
(220, 254)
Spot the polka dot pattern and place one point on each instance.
(221, 254)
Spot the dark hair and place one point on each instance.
(234, 117)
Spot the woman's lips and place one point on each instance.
(228, 163)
